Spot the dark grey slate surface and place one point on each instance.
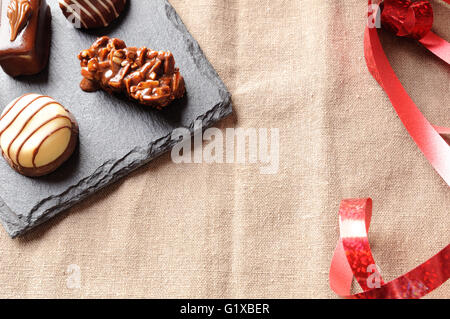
(116, 136)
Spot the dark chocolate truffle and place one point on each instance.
(89, 14)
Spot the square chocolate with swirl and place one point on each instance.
(24, 36)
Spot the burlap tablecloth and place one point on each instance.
(225, 230)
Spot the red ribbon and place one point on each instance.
(407, 18)
(353, 257)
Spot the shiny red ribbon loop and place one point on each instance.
(428, 139)
(407, 18)
(353, 257)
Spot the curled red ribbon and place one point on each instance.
(353, 257)
(407, 18)
(414, 20)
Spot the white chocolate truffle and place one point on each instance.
(37, 134)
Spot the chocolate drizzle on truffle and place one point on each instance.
(91, 13)
(146, 76)
(27, 125)
(19, 12)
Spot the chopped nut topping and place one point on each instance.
(117, 60)
(147, 76)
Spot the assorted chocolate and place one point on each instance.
(24, 36)
(37, 134)
(146, 76)
(89, 14)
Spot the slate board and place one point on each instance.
(116, 136)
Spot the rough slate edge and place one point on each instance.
(138, 157)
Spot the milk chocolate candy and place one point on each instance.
(24, 36)
(146, 76)
(89, 14)
(37, 134)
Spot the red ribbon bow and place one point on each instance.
(353, 257)
(406, 18)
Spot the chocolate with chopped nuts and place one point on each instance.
(146, 76)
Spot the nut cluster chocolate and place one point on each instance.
(147, 76)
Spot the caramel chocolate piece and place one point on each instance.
(90, 14)
(24, 36)
(146, 76)
(37, 134)
(19, 12)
